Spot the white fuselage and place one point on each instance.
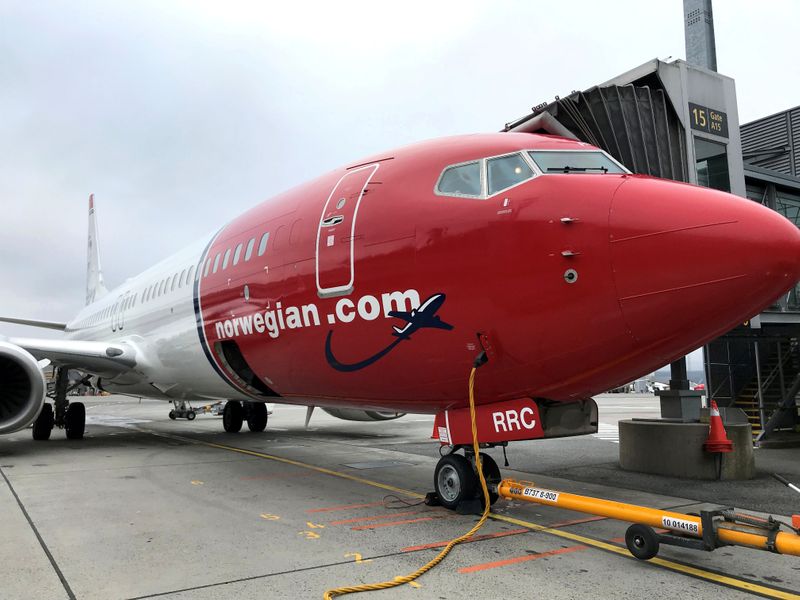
(154, 312)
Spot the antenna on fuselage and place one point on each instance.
(95, 287)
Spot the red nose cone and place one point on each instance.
(691, 263)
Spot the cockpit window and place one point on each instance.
(507, 171)
(461, 180)
(578, 161)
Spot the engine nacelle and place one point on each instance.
(355, 414)
(22, 388)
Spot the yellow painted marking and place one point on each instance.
(197, 482)
(309, 535)
(667, 564)
(311, 525)
(269, 517)
(358, 557)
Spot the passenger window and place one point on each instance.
(216, 263)
(227, 259)
(507, 171)
(174, 283)
(190, 275)
(462, 180)
(249, 252)
(208, 266)
(182, 279)
(262, 246)
(237, 254)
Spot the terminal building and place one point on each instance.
(679, 120)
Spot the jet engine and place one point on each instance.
(22, 388)
(355, 414)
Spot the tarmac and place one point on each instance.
(145, 507)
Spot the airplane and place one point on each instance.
(543, 255)
(423, 317)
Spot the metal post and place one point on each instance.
(678, 380)
(761, 413)
(780, 367)
(707, 363)
(730, 373)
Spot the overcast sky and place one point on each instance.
(180, 115)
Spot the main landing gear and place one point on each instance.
(234, 415)
(456, 480)
(69, 416)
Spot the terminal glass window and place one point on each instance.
(711, 160)
(577, 161)
(462, 180)
(507, 171)
(788, 205)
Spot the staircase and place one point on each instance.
(781, 364)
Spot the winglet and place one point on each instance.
(95, 288)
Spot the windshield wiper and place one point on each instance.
(568, 169)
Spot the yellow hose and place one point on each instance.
(403, 579)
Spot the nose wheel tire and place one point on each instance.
(257, 417)
(454, 480)
(172, 415)
(191, 415)
(642, 541)
(43, 425)
(75, 421)
(233, 416)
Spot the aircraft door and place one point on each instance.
(336, 233)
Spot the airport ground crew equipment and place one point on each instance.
(717, 442)
(709, 530)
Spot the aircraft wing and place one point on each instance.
(33, 323)
(99, 358)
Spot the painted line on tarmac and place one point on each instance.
(474, 538)
(686, 569)
(377, 517)
(344, 507)
(518, 559)
(53, 563)
(401, 522)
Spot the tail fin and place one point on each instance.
(95, 288)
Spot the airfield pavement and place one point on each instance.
(145, 507)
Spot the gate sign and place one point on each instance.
(709, 120)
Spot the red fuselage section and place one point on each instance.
(375, 289)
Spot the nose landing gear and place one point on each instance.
(456, 481)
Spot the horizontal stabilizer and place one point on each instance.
(33, 323)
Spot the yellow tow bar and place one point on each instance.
(705, 532)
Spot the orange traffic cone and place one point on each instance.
(717, 438)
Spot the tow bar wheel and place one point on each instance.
(642, 541)
(454, 480)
